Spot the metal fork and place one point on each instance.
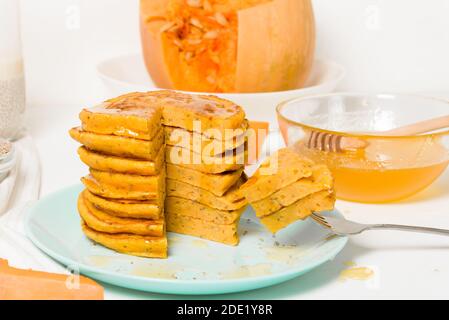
(343, 227)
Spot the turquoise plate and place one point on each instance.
(195, 266)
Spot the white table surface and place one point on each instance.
(406, 265)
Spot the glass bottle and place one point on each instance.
(12, 80)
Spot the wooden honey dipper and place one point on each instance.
(335, 143)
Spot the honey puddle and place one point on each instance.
(247, 271)
(357, 273)
(350, 264)
(174, 239)
(151, 271)
(101, 261)
(285, 254)
(199, 244)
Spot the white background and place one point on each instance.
(388, 45)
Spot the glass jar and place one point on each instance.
(12, 80)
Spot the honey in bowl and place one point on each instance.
(384, 167)
(384, 171)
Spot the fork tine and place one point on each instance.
(319, 217)
(320, 220)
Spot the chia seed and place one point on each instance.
(12, 106)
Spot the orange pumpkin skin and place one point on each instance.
(152, 45)
(262, 45)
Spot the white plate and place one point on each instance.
(194, 266)
(128, 74)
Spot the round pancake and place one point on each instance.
(201, 212)
(111, 192)
(131, 115)
(218, 184)
(104, 162)
(205, 163)
(120, 146)
(231, 200)
(148, 247)
(186, 111)
(103, 222)
(129, 182)
(126, 208)
(201, 144)
(226, 234)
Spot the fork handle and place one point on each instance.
(442, 232)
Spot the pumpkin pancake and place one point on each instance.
(197, 210)
(317, 202)
(218, 184)
(127, 208)
(120, 146)
(199, 143)
(226, 234)
(103, 222)
(278, 171)
(137, 114)
(204, 163)
(131, 115)
(186, 111)
(231, 200)
(320, 180)
(104, 162)
(130, 182)
(112, 192)
(141, 246)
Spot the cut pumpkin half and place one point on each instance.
(228, 45)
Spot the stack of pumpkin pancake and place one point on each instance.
(162, 161)
(287, 188)
(166, 161)
(122, 205)
(205, 158)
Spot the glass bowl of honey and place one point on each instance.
(378, 146)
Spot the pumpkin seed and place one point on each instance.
(200, 50)
(168, 26)
(194, 41)
(195, 22)
(194, 3)
(213, 34)
(188, 55)
(221, 19)
(177, 43)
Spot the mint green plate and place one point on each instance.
(195, 266)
